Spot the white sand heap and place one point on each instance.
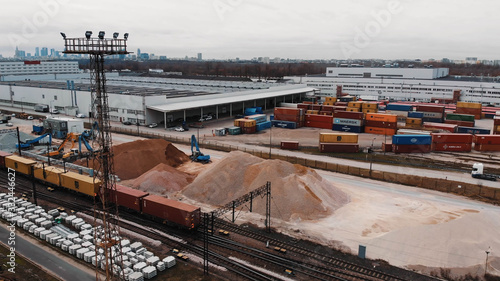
(298, 193)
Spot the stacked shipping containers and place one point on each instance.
(330, 101)
(466, 120)
(247, 126)
(261, 122)
(411, 143)
(473, 131)
(338, 142)
(347, 121)
(354, 106)
(431, 113)
(400, 110)
(381, 124)
(369, 107)
(283, 117)
(452, 142)
(414, 120)
(487, 142)
(471, 108)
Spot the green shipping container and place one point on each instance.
(234, 130)
(460, 117)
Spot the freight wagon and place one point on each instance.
(128, 197)
(170, 211)
(80, 183)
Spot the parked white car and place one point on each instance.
(80, 115)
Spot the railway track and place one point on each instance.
(328, 262)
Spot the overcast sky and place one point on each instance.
(224, 29)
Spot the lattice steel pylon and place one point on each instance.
(97, 49)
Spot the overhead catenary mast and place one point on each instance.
(97, 49)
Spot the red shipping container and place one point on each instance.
(171, 211)
(328, 108)
(496, 120)
(320, 125)
(472, 111)
(349, 115)
(386, 147)
(430, 108)
(315, 107)
(455, 147)
(319, 118)
(452, 128)
(288, 111)
(451, 138)
(307, 102)
(248, 130)
(487, 139)
(460, 123)
(291, 145)
(381, 124)
(339, 108)
(3, 154)
(303, 106)
(412, 148)
(487, 147)
(291, 118)
(338, 147)
(128, 197)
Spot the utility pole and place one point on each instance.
(97, 49)
(486, 264)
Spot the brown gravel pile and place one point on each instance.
(133, 159)
(162, 180)
(298, 193)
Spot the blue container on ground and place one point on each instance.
(271, 117)
(250, 111)
(347, 128)
(415, 114)
(262, 126)
(471, 130)
(284, 124)
(399, 107)
(412, 139)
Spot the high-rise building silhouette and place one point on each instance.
(37, 52)
(44, 52)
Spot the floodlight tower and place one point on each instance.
(97, 48)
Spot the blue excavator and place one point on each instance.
(32, 142)
(197, 156)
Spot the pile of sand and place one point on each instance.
(161, 180)
(133, 159)
(298, 193)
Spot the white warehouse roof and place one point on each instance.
(383, 72)
(226, 98)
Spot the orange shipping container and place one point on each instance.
(369, 110)
(469, 105)
(380, 131)
(370, 105)
(312, 112)
(381, 117)
(416, 121)
(356, 104)
(338, 137)
(353, 109)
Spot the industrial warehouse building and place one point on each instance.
(152, 100)
(37, 67)
(400, 84)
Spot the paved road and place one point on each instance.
(47, 259)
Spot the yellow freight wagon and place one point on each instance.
(49, 174)
(338, 138)
(80, 183)
(19, 164)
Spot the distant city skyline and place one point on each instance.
(229, 29)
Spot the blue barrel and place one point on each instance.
(412, 139)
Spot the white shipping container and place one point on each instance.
(44, 233)
(73, 248)
(135, 276)
(139, 266)
(81, 252)
(149, 272)
(169, 261)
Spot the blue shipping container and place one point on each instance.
(399, 107)
(346, 128)
(284, 124)
(412, 139)
(433, 120)
(262, 126)
(474, 131)
(415, 114)
(250, 111)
